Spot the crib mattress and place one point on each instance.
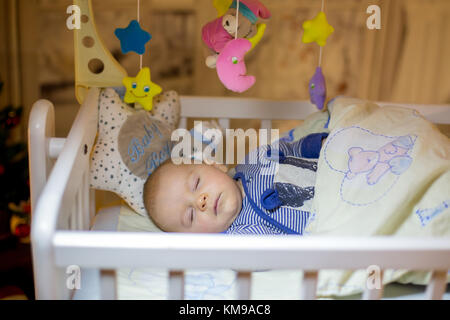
(151, 283)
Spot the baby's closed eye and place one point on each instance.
(189, 216)
(197, 183)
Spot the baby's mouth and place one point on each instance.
(216, 204)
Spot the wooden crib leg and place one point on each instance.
(108, 286)
(309, 285)
(244, 282)
(436, 287)
(176, 285)
(373, 292)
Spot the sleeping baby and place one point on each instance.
(204, 198)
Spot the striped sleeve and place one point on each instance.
(250, 229)
(307, 147)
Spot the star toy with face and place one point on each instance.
(141, 89)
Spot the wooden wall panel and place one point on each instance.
(423, 72)
(405, 61)
(28, 42)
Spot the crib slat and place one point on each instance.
(108, 286)
(436, 287)
(91, 207)
(244, 283)
(374, 293)
(183, 123)
(79, 209)
(73, 216)
(55, 146)
(224, 123)
(309, 285)
(266, 124)
(85, 202)
(176, 285)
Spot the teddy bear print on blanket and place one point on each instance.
(131, 144)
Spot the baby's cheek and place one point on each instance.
(231, 204)
(205, 224)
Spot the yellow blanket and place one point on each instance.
(382, 171)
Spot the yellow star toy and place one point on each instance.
(317, 30)
(141, 89)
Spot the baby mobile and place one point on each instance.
(231, 36)
(317, 30)
(140, 90)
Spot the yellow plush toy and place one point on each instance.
(317, 30)
(141, 89)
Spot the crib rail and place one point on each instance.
(267, 110)
(244, 108)
(63, 211)
(64, 202)
(246, 253)
(40, 132)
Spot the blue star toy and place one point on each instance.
(133, 38)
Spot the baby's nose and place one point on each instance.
(202, 201)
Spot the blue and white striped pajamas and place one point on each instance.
(257, 176)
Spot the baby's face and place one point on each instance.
(197, 198)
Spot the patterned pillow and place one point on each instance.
(131, 144)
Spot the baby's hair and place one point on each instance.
(151, 188)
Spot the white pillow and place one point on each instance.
(131, 144)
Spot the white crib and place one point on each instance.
(63, 209)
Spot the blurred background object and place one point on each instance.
(16, 279)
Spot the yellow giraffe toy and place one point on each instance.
(94, 64)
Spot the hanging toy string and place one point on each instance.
(317, 30)
(138, 20)
(237, 19)
(321, 48)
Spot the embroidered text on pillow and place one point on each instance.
(131, 144)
